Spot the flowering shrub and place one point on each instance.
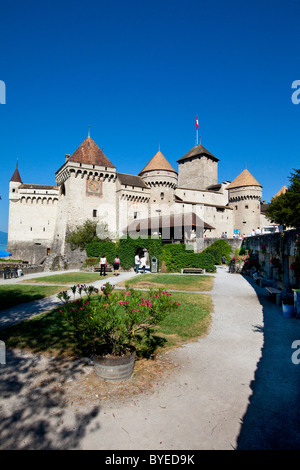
(108, 323)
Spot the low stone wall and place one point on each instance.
(280, 246)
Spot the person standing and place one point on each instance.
(143, 263)
(116, 265)
(137, 263)
(102, 265)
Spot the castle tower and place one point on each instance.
(87, 190)
(14, 196)
(161, 177)
(197, 169)
(244, 195)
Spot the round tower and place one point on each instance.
(244, 195)
(161, 177)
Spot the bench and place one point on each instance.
(257, 278)
(192, 271)
(97, 269)
(276, 291)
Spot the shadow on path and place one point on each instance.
(272, 419)
(33, 412)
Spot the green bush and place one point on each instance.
(102, 247)
(217, 250)
(128, 247)
(176, 257)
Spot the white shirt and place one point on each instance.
(103, 261)
(137, 259)
(143, 261)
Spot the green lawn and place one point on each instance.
(68, 278)
(186, 282)
(50, 332)
(16, 294)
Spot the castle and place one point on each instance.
(182, 206)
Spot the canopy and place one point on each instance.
(4, 253)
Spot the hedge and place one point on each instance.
(176, 257)
(126, 249)
(217, 250)
(97, 249)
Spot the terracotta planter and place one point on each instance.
(114, 368)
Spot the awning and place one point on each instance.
(168, 221)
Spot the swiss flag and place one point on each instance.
(197, 124)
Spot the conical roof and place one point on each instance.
(158, 162)
(16, 178)
(283, 190)
(243, 179)
(89, 152)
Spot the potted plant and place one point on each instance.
(288, 305)
(109, 325)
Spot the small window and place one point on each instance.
(14, 190)
(162, 195)
(94, 212)
(135, 215)
(246, 207)
(236, 208)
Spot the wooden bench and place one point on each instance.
(257, 278)
(97, 269)
(192, 271)
(276, 291)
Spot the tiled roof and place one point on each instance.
(283, 190)
(158, 162)
(243, 179)
(89, 152)
(196, 152)
(173, 220)
(131, 180)
(16, 178)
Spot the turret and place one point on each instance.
(161, 177)
(244, 195)
(14, 184)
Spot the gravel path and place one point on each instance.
(236, 388)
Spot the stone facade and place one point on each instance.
(88, 186)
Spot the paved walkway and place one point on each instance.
(236, 388)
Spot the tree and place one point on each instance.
(285, 209)
(83, 234)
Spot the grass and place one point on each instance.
(13, 295)
(68, 278)
(185, 282)
(49, 331)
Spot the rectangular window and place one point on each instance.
(135, 215)
(94, 212)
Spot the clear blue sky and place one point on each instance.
(139, 72)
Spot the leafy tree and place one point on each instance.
(82, 235)
(285, 209)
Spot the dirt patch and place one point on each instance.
(147, 376)
(75, 383)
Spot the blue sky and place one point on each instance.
(138, 72)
